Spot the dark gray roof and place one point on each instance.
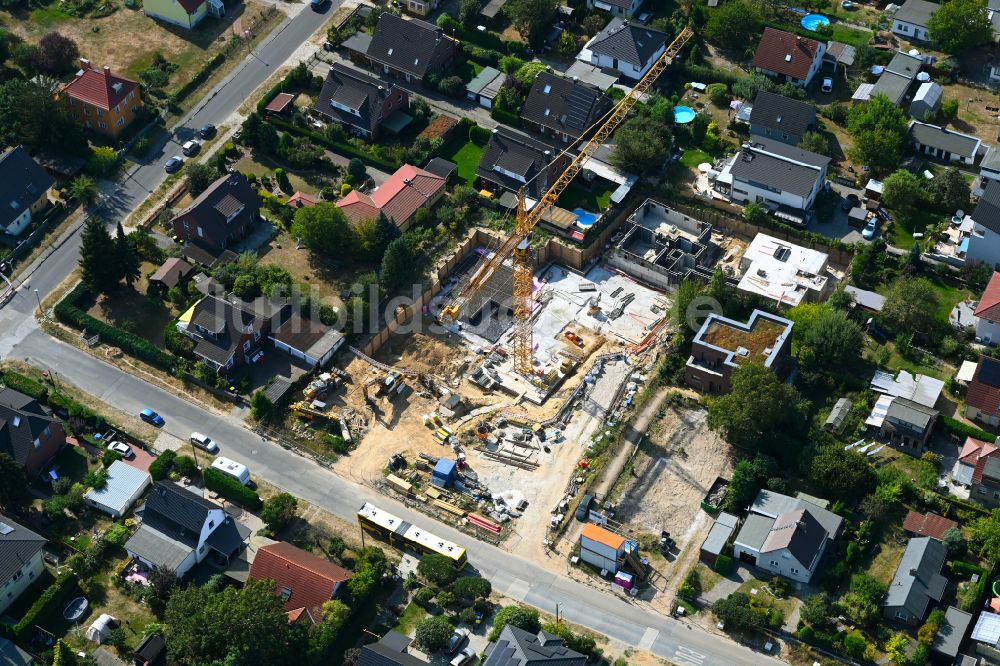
(720, 534)
(389, 651)
(516, 153)
(799, 532)
(172, 509)
(951, 632)
(892, 85)
(151, 648)
(777, 165)
(917, 12)
(11, 655)
(441, 167)
(22, 420)
(222, 198)
(905, 65)
(938, 137)
(563, 105)
(227, 537)
(517, 647)
(987, 211)
(22, 183)
(355, 90)
(913, 413)
(407, 45)
(770, 503)
(918, 577)
(632, 43)
(782, 114)
(754, 532)
(157, 548)
(17, 546)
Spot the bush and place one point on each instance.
(423, 596)
(231, 489)
(472, 587)
(160, 468)
(479, 135)
(25, 385)
(965, 430)
(966, 570)
(186, 466)
(723, 564)
(51, 601)
(110, 457)
(433, 633)
(116, 535)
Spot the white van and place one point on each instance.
(238, 471)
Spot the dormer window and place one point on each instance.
(547, 89)
(17, 421)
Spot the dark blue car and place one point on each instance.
(149, 416)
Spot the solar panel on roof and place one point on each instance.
(5, 528)
(989, 372)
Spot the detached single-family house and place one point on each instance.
(307, 339)
(101, 101)
(408, 190)
(910, 20)
(228, 331)
(303, 581)
(988, 312)
(982, 397)
(985, 486)
(221, 215)
(944, 144)
(517, 647)
(971, 463)
(781, 177)
(358, 101)
(180, 528)
(390, 650)
(124, 486)
(626, 47)
(20, 560)
(183, 13)
(409, 49)
(788, 58)
(512, 160)
(902, 422)
(984, 240)
(562, 108)
(917, 581)
(623, 8)
(24, 187)
(28, 432)
(781, 118)
(723, 344)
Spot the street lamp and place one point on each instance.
(39, 300)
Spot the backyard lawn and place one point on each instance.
(594, 200)
(904, 226)
(692, 157)
(407, 622)
(466, 156)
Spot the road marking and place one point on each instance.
(648, 637)
(518, 589)
(688, 657)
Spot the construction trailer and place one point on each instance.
(444, 473)
(605, 550)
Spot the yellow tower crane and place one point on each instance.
(517, 245)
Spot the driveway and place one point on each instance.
(141, 460)
(838, 227)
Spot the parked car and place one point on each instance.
(463, 657)
(849, 202)
(149, 416)
(847, 4)
(204, 442)
(827, 84)
(644, 17)
(583, 511)
(317, 5)
(122, 448)
(207, 131)
(174, 164)
(329, 47)
(191, 147)
(869, 231)
(458, 638)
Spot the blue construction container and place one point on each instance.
(444, 473)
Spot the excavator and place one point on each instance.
(518, 244)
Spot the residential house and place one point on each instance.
(512, 160)
(408, 190)
(228, 331)
(626, 47)
(20, 560)
(221, 215)
(944, 144)
(982, 398)
(302, 200)
(781, 118)
(170, 274)
(928, 524)
(987, 312)
(970, 468)
(180, 528)
(722, 345)
(984, 239)
(485, 86)
(125, 484)
(409, 49)
(910, 21)
(624, 8)
(28, 432)
(894, 82)
(783, 178)
(101, 101)
(419, 8)
(985, 488)
(782, 272)
(24, 186)
(307, 339)
(917, 581)
(989, 169)
(390, 650)
(562, 108)
(303, 581)
(358, 101)
(788, 58)
(922, 389)
(903, 422)
(951, 632)
(183, 13)
(12, 655)
(517, 647)
(927, 101)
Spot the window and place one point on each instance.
(118, 108)
(774, 564)
(211, 524)
(121, 121)
(100, 112)
(134, 109)
(982, 491)
(900, 615)
(102, 125)
(131, 95)
(246, 346)
(794, 570)
(45, 433)
(256, 335)
(286, 593)
(201, 550)
(31, 575)
(86, 110)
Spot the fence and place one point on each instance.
(53, 217)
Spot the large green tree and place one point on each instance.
(532, 19)
(984, 536)
(98, 263)
(436, 569)
(960, 25)
(30, 116)
(324, 229)
(199, 176)
(903, 191)
(949, 190)
(432, 633)
(279, 511)
(864, 602)
(734, 25)
(911, 306)
(521, 617)
(397, 265)
(126, 257)
(840, 473)
(834, 339)
(641, 145)
(878, 128)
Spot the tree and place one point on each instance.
(30, 116)
(433, 633)
(336, 547)
(864, 601)
(754, 213)
(279, 510)
(840, 473)
(878, 128)
(470, 588)
(903, 190)
(736, 612)
(324, 229)
(834, 339)
(910, 305)
(397, 265)
(895, 647)
(56, 54)
(734, 25)
(748, 87)
(815, 609)
(954, 541)
(335, 613)
(950, 190)
(984, 535)
(532, 18)
(162, 583)
(97, 257)
(567, 45)
(855, 644)
(593, 24)
(718, 93)
(641, 145)
(83, 189)
(13, 484)
(960, 25)
(760, 413)
(102, 161)
(198, 176)
(815, 142)
(468, 13)
(748, 477)
(521, 617)
(260, 405)
(438, 570)
(126, 258)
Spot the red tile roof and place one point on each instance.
(302, 200)
(930, 524)
(280, 102)
(97, 87)
(989, 302)
(982, 395)
(976, 452)
(785, 53)
(399, 197)
(191, 6)
(311, 579)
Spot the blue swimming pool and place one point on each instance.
(813, 21)
(584, 218)
(683, 114)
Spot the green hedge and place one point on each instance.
(964, 504)
(51, 601)
(723, 564)
(505, 117)
(479, 135)
(342, 148)
(200, 77)
(966, 570)
(231, 489)
(24, 384)
(68, 313)
(160, 468)
(965, 430)
(58, 401)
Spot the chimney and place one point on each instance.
(84, 63)
(107, 71)
(913, 572)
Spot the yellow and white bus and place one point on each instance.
(403, 534)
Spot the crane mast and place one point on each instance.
(518, 245)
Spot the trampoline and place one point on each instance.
(683, 115)
(813, 21)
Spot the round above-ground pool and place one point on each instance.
(683, 115)
(813, 21)
(584, 218)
